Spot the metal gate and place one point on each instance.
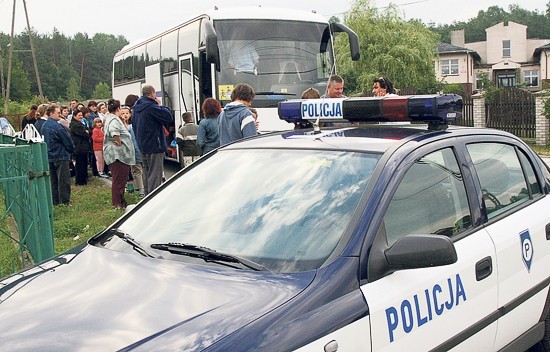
(513, 110)
(25, 184)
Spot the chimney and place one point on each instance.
(457, 38)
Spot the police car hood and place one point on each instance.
(102, 300)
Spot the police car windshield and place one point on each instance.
(283, 209)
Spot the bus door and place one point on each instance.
(189, 85)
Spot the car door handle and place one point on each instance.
(332, 346)
(484, 268)
(548, 232)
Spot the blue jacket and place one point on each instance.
(208, 137)
(89, 122)
(148, 118)
(235, 122)
(58, 140)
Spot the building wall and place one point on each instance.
(516, 33)
(465, 68)
(545, 64)
(480, 48)
(494, 63)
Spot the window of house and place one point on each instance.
(531, 77)
(506, 48)
(449, 67)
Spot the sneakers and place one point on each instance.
(103, 175)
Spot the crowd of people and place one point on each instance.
(128, 142)
(96, 137)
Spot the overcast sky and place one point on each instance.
(139, 19)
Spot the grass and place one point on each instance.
(90, 212)
(9, 258)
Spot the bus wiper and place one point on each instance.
(131, 241)
(273, 93)
(206, 254)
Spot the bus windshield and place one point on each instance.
(279, 59)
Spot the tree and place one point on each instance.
(73, 90)
(102, 91)
(334, 19)
(537, 22)
(19, 84)
(390, 46)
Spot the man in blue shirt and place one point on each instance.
(149, 119)
(60, 148)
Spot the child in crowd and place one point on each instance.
(125, 115)
(97, 139)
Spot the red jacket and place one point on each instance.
(97, 138)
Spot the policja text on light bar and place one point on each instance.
(426, 108)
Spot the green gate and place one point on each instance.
(25, 184)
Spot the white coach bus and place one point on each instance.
(279, 52)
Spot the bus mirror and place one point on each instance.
(324, 40)
(212, 51)
(353, 39)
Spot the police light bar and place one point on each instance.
(417, 108)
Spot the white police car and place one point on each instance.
(359, 238)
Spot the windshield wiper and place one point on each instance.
(131, 241)
(206, 254)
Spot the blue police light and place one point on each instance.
(290, 110)
(440, 108)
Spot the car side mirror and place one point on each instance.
(421, 251)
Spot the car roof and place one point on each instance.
(365, 138)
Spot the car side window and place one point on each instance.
(534, 185)
(431, 199)
(501, 176)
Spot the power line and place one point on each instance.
(380, 8)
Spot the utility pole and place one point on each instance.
(33, 54)
(2, 76)
(6, 105)
(6, 95)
